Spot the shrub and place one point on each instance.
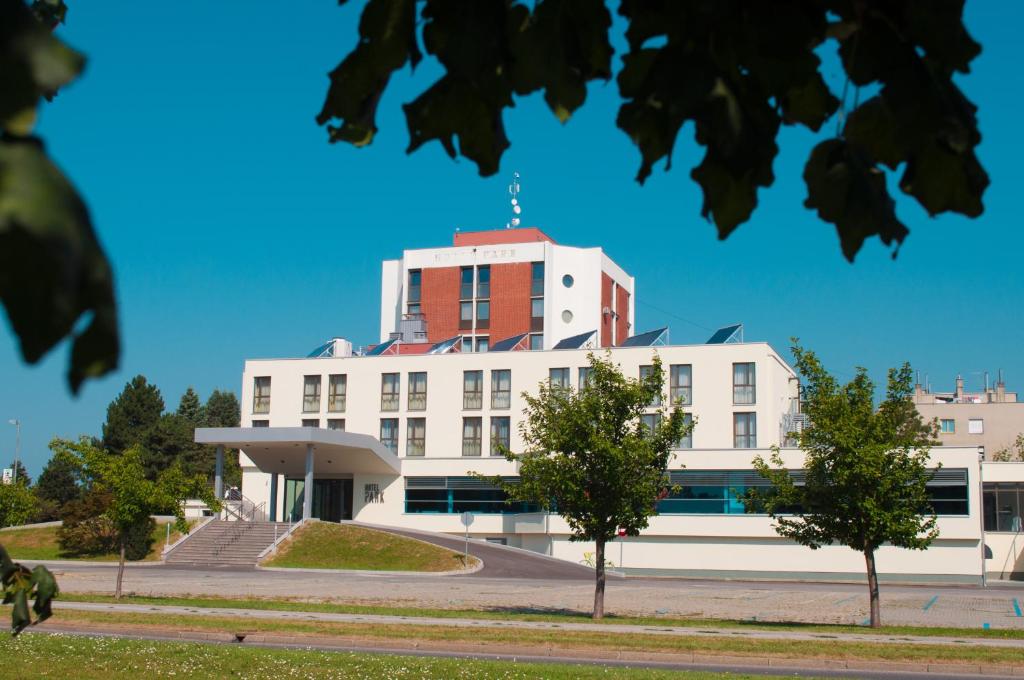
(139, 539)
(17, 504)
(86, 531)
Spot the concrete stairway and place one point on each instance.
(226, 544)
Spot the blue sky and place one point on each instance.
(236, 231)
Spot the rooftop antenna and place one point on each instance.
(513, 190)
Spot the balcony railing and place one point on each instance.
(336, 403)
(416, 447)
(389, 402)
(501, 399)
(311, 404)
(472, 400)
(417, 401)
(743, 394)
(470, 447)
(261, 404)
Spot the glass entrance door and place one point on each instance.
(332, 499)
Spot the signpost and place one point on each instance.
(8, 475)
(622, 534)
(467, 519)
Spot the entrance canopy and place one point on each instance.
(283, 450)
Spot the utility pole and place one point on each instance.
(17, 446)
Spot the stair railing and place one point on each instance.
(244, 523)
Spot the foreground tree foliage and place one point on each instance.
(19, 585)
(866, 469)
(589, 457)
(46, 236)
(736, 69)
(17, 504)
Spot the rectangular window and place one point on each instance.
(537, 279)
(311, 393)
(482, 344)
(336, 424)
(415, 280)
(337, 388)
(537, 314)
(466, 283)
(681, 384)
(418, 391)
(744, 430)
(416, 437)
(415, 309)
(501, 388)
(644, 372)
(586, 376)
(389, 434)
(650, 422)
(261, 394)
(559, 378)
(948, 426)
(686, 441)
(472, 389)
(975, 426)
(471, 436)
(389, 387)
(1002, 506)
(261, 423)
(311, 422)
(483, 282)
(483, 314)
(500, 435)
(465, 315)
(537, 341)
(743, 384)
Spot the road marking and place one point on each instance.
(846, 599)
(930, 603)
(1016, 607)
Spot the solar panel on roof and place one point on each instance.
(576, 341)
(726, 334)
(508, 344)
(445, 345)
(381, 348)
(324, 350)
(648, 339)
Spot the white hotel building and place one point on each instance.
(392, 435)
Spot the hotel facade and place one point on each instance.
(393, 434)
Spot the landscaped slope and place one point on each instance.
(40, 543)
(322, 545)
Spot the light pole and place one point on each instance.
(17, 446)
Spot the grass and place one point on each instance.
(491, 639)
(323, 545)
(41, 544)
(93, 658)
(550, 616)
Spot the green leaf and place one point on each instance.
(52, 269)
(45, 590)
(943, 180)
(848, 190)
(20, 618)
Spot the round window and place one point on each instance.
(566, 316)
(567, 281)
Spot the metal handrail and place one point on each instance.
(240, 527)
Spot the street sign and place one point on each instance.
(8, 475)
(467, 518)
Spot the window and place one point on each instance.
(559, 378)
(336, 424)
(472, 429)
(261, 423)
(452, 495)
(500, 433)
(389, 434)
(537, 279)
(975, 426)
(466, 283)
(743, 388)
(415, 309)
(681, 384)
(537, 341)
(650, 422)
(311, 422)
(472, 389)
(586, 376)
(686, 441)
(483, 314)
(645, 371)
(1002, 503)
(261, 394)
(483, 344)
(501, 388)
(416, 437)
(337, 388)
(465, 315)
(311, 394)
(415, 279)
(537, 314)
(417, 391)
(389, 387)
(948, 426)
(483, 282)
(744, 430)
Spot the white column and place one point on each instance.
(218, 475)
(307, 489)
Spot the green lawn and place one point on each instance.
(41, 544)
(65, 656)
(323, 545)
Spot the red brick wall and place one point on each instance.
(606, 319)
(622, 330)
(495, 237)
(439, 297)
(510, 300)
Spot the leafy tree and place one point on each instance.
(866, 469)
(46, 236)
(738, 70)
(1011, 452)
(21, 476)
(190, 407)
(17, 504)
(60, 480)
(590, 458)
(19, 585)
(170, 440)
(223, 410)
(132, 415)
(85, 529)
